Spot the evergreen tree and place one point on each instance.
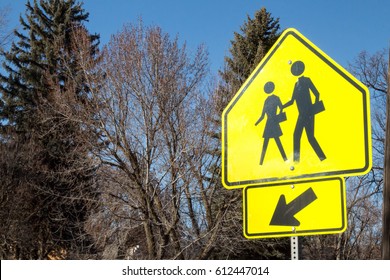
(257, 36)
(43, 76)
(37, 56)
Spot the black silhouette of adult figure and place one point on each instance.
(306, 110)
(272, 127)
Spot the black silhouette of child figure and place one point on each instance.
(306, 110)
(272, 127)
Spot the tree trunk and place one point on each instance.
(386, 187)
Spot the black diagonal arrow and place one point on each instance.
(284, 213)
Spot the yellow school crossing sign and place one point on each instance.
(299, 115)
(316, 206)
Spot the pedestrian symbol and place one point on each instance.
(289, 120)
(272, 127)
(306, 110)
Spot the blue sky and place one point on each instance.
(341, 28)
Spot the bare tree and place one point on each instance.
(5, 34)
(362, 238)
(373, 71)
(153, 118)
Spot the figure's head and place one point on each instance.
(269, 87)
(297, 68)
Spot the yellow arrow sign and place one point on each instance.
(305, 208)
(299, 115)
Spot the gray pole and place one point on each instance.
(294, 248)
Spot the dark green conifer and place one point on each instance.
(257, 36)
(42, 76)
(43, 43)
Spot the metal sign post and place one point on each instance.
(294, 248)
